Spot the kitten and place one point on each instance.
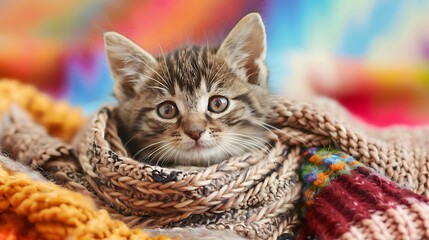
(196, 106)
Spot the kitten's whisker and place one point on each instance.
(219, 70)
(253, 142)
(158, 142)
(225, 148)
(148, 146)
(240, 144)
(153, 79)
(224, 62)
(129, 140)
(176, 151)
(171, 154)
(159, 88)
(171, 157)
(257, 151)
(266, 125)
(165, 151)
(241, 140)
(156, 152)
(147, 65)
(141, 77)
(262, 124)
(251, 146)
(169, 83)
(246, 136)
(200, 57)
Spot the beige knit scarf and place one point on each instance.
(256, 198)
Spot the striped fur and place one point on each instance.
(189, 77)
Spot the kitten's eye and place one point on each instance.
(218, 104)
(167, 110)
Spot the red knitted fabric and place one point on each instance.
(356, 203)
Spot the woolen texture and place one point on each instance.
(255, 197)
(59, 118)
(42, 210)
(346, 200)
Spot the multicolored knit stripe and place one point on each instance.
(322, 166)
(346, 200)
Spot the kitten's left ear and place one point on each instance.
(128, 62)
(244, 49)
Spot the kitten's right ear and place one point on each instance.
(128, 64)
(244, 49)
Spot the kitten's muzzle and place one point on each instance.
(195, 134)
(194, 127)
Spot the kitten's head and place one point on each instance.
(197, 105)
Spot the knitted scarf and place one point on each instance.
(256, 198)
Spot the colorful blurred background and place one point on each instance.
(372, 56)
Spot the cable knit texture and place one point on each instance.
(255, 197)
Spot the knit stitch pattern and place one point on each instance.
(58, 118)
(254, 196)
(42, 210)
(346, 200)
(322, 166)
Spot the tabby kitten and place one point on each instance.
(196, 106)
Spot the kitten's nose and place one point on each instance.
(194, 126)
(196, 134)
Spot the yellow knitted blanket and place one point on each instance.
(57, 117)
(43, 210)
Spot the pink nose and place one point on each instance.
(195, 134)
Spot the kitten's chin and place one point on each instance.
(202, 153)
(206, 153)
(200, 156)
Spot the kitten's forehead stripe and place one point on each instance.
(156, 127)
(240, 122)
(233, 116)
(170, 77)
(142, 112)
(251, 102)
(244, 97)
(187, 67)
